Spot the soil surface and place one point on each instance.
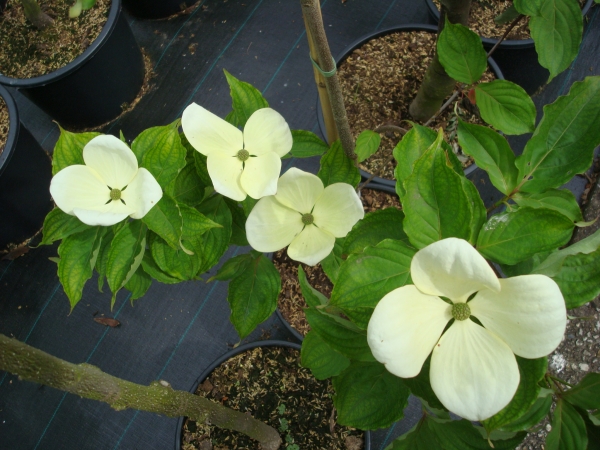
(379, 81)
(27, 52)
(4, 124)
(269, 384)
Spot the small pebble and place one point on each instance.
(584, 367)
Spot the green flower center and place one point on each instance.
(115, 194)
(461, 311)
(243, 155)
(307, 219)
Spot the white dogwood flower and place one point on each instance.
(304, 215)
(239, 164)
(108, 188)
(473, 370)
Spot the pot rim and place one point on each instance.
(230, 354)
(109, 26)
(13, 128)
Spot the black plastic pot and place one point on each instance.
(156, 9)
(90, 90)
(25, 173)
(363, 40)
(231, 354)
(517, 58)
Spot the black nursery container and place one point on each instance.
(92, 89)
(25, 174)
(156, 9)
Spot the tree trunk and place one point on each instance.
(437, 85)
(87, 381)
(34, 14)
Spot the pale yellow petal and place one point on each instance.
(452, 268)
(112, 159)
(311, 246)
(142, 193)
(338, 209)
(404, 328)
(260, 175)
(271, 226)
(299, 190)
(473, 372)
(225, 172)
(208, 133)
(529, 314)
(78, 186)
(267, 131)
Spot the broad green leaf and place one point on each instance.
(368, 397)
(531, 371)
(366, 277)
(102, 259)
(199, 161)
(252, 295)
(323, 361)
(195, 224)
(306, 144)
(59, 225)
(175, 262)
(527, 7)
(166, 221)
(593, 430)
(139, 283)
(420, 437)
(435, 204)
(340, 334)
(151, 268)
(125, 255)
(69, 149)
(233, 119)
(233, 267)
(238, 226)
(78, 253)
(514, 236)
(557, 30)
(216, 240)
(564, 141)
(568, 429)
(248, 205)
(161, 153)
(551, 264)
(312, 297)
(586, 394)
(561, 200)
(463, 435)
(421, 386)
(491, 152)
(331, 264)
(477, 209)
(409, 150)
(336, 167)
(506, 106)
(579, 278)
(461, 53)
(246, 99)
(535, 414)
(374, 228)
(188, 187)
(367, 144)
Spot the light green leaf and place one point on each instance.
(166, 221)
(514, 236)
(568, 429)
(175, 262)
(246, 99)
(476, 209)
(561, 200)
(69, 149)
(151, 268)
(409, 150)
(313, 297)
(367, 396)
(374, 228)
(535, 414)
(506, 106)
(579, 278)
(336, 167)
(551, 264)
(59, 225)
(216, 240)
(323, 361)
(138, 284)
(331, 264)
(461, 53)
(367, 144)
(307, 144)
(586, 394)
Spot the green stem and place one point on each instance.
(35, 15)
(560, 381)
(87, 381)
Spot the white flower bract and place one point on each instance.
(473, 370)
(239, 164)
(108, 188)
(304, 215)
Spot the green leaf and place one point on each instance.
(593, 430)
(88, 4)
(102, 259)
(307, 144)
(248, 205)
(59, 225)
(477, 209)
(568, 429)
(461, 53)
(579, 278)
(491, 152)
(195, 224)
(421, 386)
(564, 141)
(199, 161)
(366, 277)
(215, 240)
(152, 269)
(340, 334)
(138, 284)
(420, 437)
(507, 16)
(535, 414)
(462, 435)
(78, 253)
(252, 295)
(238, 230)
(233, 267)
(551, 264)
(407, 152)
(515, 236)
(246, 99)
(557, 30)
(336, 167)
(367, 396)
(561, 200)
(374, 228)
(506, 106)
(175, 262)
(166, 221)
(125, 255)
(313, 297)
(531, 371)
(188, 187)
(367, 144)
(323, 361)
(586, 394)
(69, 149)
(331, 264)
(435, 204)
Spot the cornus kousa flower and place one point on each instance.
(239, 164)
(108, 188)
(304, 215)
(473, 370)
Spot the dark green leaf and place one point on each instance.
(535, 414)
(412, 146)
(374, 228)
(188, 187)
(307, 144)
(420, 437)
(138, 284)
(421, 386)
(323, 361)
(199, 161)
(579, 278)
(477, 209)
(586, 394)
(166, 221)
(463, 435)
(593, 431)
(233, 267)
(152, 269)
(331, 264)
(175, 262)
(561, 200)
(246, 99)
(102, 259)
(58, 225)
(215, 240)
(461, 53)
(568, 429)
(507, 16)
(336, 167)
(69, 149)
(238, 227)
(313, 297)
(367, 144)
